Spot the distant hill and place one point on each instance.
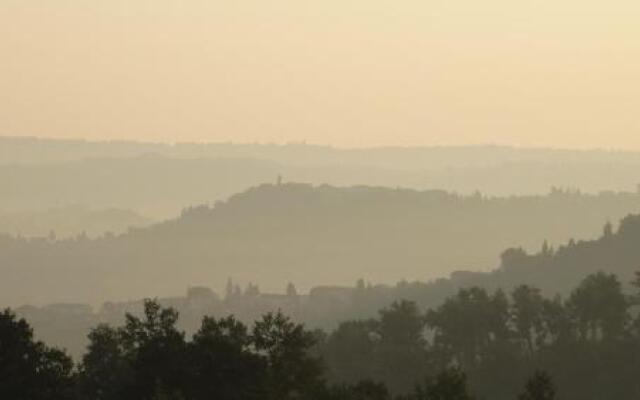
(70, 221)
(305, 234)
(16, 150)
(158, 180)
(151, 185)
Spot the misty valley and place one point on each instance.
(319, 200)
(317, 290)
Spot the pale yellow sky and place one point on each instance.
(563, 73)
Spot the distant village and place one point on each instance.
(66, 325)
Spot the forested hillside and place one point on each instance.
(308, 235)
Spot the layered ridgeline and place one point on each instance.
(273, 234)
(158, 180)
(33, 151)
(159, 187)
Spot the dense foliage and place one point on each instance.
(149, 359)
(589, 342)
(29, 370)
(494, 345)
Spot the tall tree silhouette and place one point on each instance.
(292, 371)
(599, 306)
(526, 313)
(222, 363)
(105, 371)
(29, 370)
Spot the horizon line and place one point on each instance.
(319, 145)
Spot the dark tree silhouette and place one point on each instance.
(600, 307)
(450, 384)
(292, 371)
(29, 370)
(526, 313)
(401, 354)
(586, 343)
(539, 387)
(222, 364)
(145, 359)
(105, 371)
(466, 324)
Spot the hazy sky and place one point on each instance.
(344, 72)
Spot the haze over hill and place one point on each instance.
(158, 180)
(34, 150)
(309, 235)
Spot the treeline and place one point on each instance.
(589, 341)
(476, 345)
(149, 358)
